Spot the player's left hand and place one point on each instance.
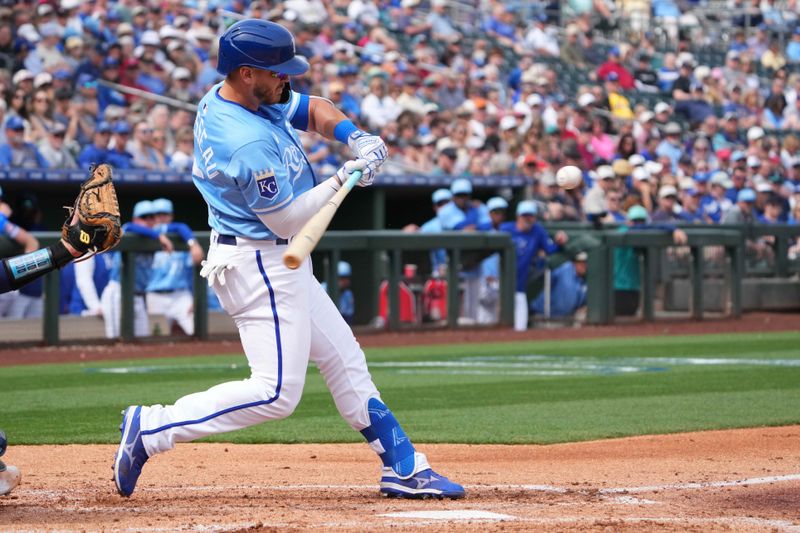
(367, 146)
(366, 168)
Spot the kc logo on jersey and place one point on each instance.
(266, 183)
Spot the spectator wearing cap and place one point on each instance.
(613, 64)
(663, 113)
(446, 162)
(714, 204)
(671, 147)
(107, 96)
(540, 39)
(54, 150)
(179, 87)
(150, 75)
(23, 80)
(690, 210)
(378, 108)
(682, 88)
(48, 49)
(618, 103)
(15, 152)
(644, 76)
(408, 99)
(530, 239)
(594, 203)
(743, 212)
(97, 152)
(591, 52)
(695, 108)
(729, 136)
(571, 51)
(91, 61)
(74, 52)
(118, 156)
(627, 281)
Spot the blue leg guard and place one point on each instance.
(388, 439)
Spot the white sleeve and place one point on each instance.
(287, 221)
(84, 272)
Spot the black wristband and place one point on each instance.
(61, 256)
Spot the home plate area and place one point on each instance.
(712, 481)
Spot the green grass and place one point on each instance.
(78, 403)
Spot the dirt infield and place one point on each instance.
(750, 322)
(711, 481)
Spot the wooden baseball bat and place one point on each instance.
(306, 240)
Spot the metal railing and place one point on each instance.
(393, 243)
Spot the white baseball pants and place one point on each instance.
(284, 319)
(111, 302)
(176, 306)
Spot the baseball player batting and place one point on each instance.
(250, 167)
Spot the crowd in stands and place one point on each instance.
(509, 89)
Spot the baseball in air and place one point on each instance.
(569, 177)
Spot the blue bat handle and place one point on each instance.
(352, 180)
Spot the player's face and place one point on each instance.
(267, 87)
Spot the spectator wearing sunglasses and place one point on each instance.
(53, 149)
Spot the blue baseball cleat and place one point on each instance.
(424, 483)
(131, 455)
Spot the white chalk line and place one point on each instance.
(703, 485)
(495, 486)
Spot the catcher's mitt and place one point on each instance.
(93, 224)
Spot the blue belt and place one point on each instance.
(231, 240)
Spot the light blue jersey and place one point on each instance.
(170, 271)
(248, 163)
(438, 255)
(143, 263)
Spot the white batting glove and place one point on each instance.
(367, 172)
(214, 271)
(367, 146)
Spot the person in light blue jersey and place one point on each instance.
(440, 198)
(169, 291)
(489, 299)
(347, 303)
(464, 214)
(250, 168)
(111, 300)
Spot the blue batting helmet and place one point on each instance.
(260, 44)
